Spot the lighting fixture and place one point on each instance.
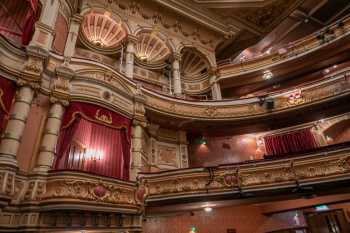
(267, 75)
(143, 57)
(208, 209)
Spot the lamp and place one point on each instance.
(267, 75)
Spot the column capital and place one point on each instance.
(176, 56)
(34, 66)
(61, 85)
(132, 39)
(54, 100)
(76, 18)
(138, 122)
(26, 83)
(213, 71)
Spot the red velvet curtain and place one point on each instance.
(7, 93)
(94, 140)
(297, 141)
(17, 19)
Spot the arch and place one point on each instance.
(210, 58)
(194, 64)
(162, 36)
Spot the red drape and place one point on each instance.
(94, 140)
(293, 142)
(7, 93)
(17, 18)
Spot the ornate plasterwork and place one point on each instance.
(102, 31)
(138, 13)
(194, 66)
(151, 49)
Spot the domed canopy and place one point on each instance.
(101, 30)
(193, 64)
(151, 48)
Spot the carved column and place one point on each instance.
(139, 124)
(29, 81)
(183, 149)
(74, 27)
(153, 131)
(215, 86)
(48, 144)
(44, 28)
(130, 56)
(59, 100)
(15, 126)
(176, 75)
(137, 150)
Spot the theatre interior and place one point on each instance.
(175, 116)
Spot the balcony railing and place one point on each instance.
(292, 173)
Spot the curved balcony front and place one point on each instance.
(293, 175)
(71, 190)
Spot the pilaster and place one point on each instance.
(176, 74)
(130, 56)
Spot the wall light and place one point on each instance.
(94, 154)
(208, 209)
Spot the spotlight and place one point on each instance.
(208, 209)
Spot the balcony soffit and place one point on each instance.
(231, 16)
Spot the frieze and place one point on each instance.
(79, 189)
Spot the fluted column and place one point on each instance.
(15, 126)
(215, 86)
(176, 75)
(51, 133)
(74, 27)
(130, 57)
(136, 155)
(60, 94)
(44, 28)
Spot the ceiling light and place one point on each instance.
(208, 209)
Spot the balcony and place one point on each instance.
(287, 175)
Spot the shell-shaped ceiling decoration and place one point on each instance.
(102, 30)
(151, 49)
(193, 64)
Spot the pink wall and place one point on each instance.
(224, 150)
(244, 219)
(32, 133)
(61, 33)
